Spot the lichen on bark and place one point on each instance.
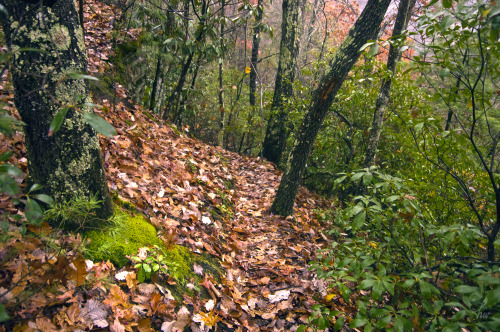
(47, 46)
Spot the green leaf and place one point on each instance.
(445, 72)
(146, 268)
(367, 178)
(3, 313)
(358, 221)
(33, 212)
(99, 124)
(5, 155)
(418, 127)
(8, 185)
(425, 288)
(464, 289)
(11, 170)
(141, 276)
(339, 323)
(301, 328)
(392, 198)
(374, 50)
(446, 22)
(447, 3)
(322, 323)
(45, 198)
(377, 290)
(58, 120)
(398, 324)
(358, 322)
(6, 13)
(367, 283)
(370, 43)
(35, 187)
(340, 179)
(389, 286)
(78, 76)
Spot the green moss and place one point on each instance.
(118, 200)
(129, 233)
(124, 237)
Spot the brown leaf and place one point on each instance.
(145, 325)
(44, 324)
(80, 273)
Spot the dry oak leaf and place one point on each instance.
(279, 296)
(96, 311)
(44, 324)
(117, 297)
(117, 326)
(79, 272)
(145, 325)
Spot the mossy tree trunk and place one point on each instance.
(275, 139)
(403, 16)
(47, 51)
(322, 99)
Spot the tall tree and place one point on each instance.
(274, 142)
(403, 16)
(255, 53)
(222, 126)
(322, 99)
(48, 53)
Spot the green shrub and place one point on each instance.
(403, 270)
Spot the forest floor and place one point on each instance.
(199, 196)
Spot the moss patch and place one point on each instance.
(129, 233)
(124, 237)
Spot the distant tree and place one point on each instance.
(322, 99)
(48, 58)
(255, 52)
(275, 139)
(404, 13)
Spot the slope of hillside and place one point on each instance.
(196, 195)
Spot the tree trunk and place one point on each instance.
(322, 99)
(402, 18)
(222, 125)
(274, 142)
(173, 100)
(68, 163)
(156, 85)
(255, 54)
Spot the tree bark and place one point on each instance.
(68, 163)
(255, 53)
(173, 100)
(222, 125)
(275, 139)
(156, 85)
(403, 16)
(322, 99)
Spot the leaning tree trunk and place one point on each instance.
(48, 52)
(402, 18)
(330, 83)
(274, 142)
